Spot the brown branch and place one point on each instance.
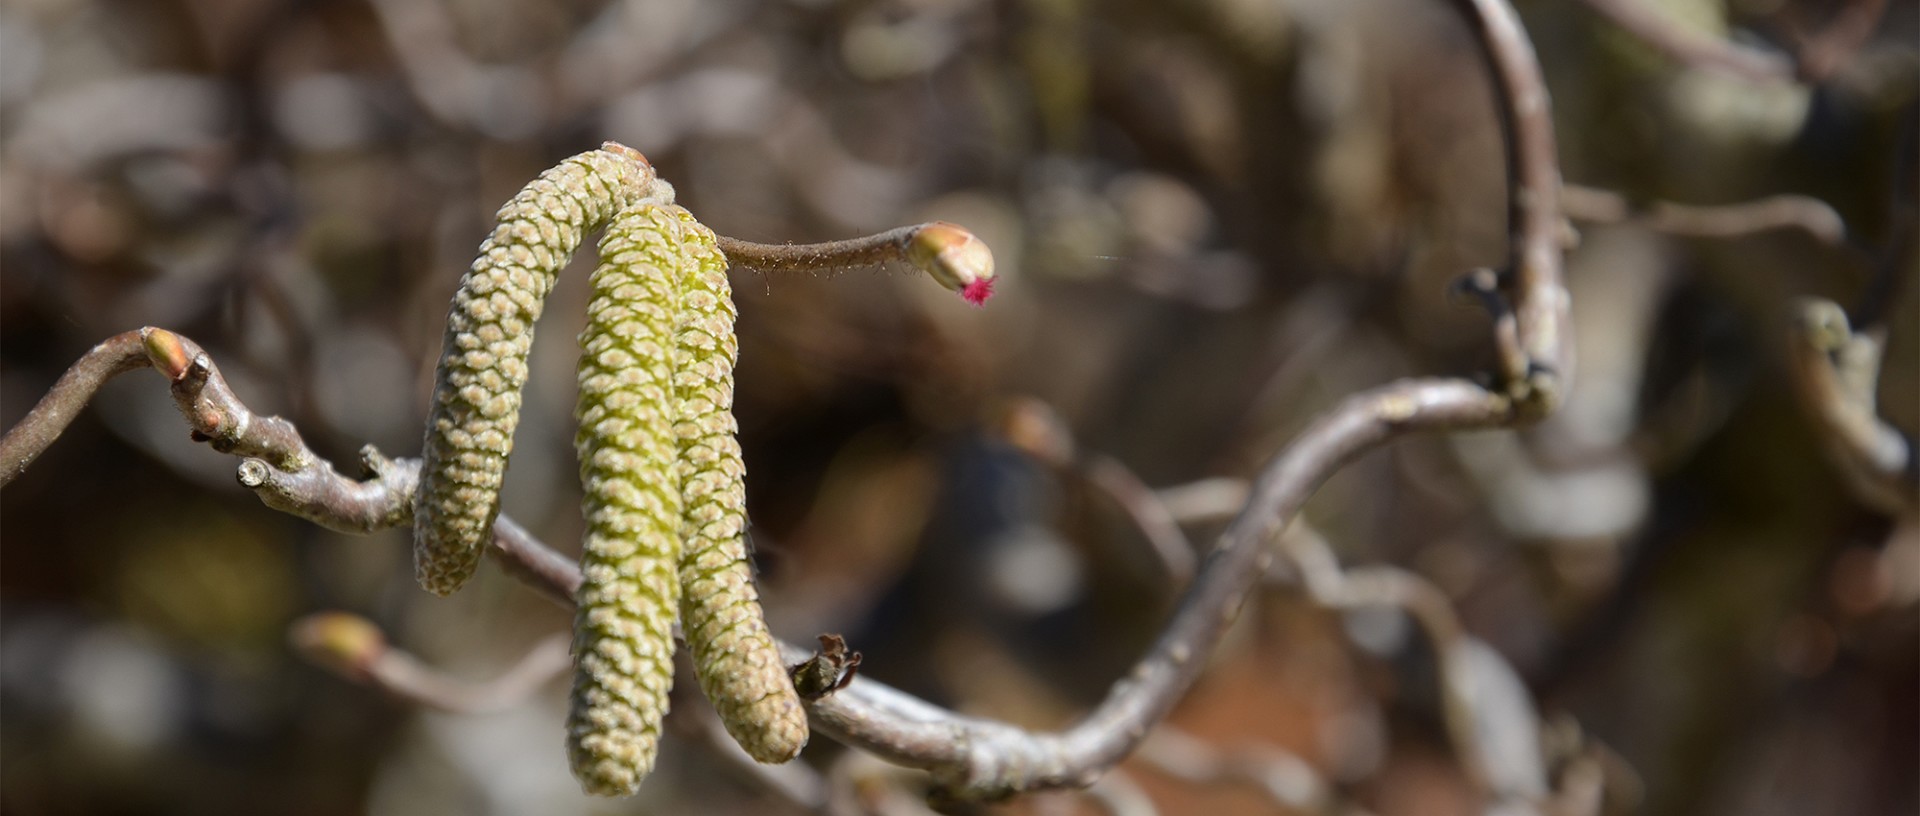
(355, 649)
(1284, 778)
(1117, 794)
(969, 757)
(796, 783)
(978, 758)
(1037, 430)
(1811, 215)
(1477, 713)
(213, 413)
(975, 758)
(25, 442)
(1533, 337)
(1206, 500)
(948, 253)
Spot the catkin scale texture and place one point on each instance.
(658, 460)
(623, 630)
(734, 654)
(483, 361)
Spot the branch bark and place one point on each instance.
(973, 758)
(1533, 336)
(1811, 215)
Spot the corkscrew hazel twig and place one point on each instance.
(974, 758)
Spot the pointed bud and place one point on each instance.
(955, 258)
(342, 642)
(165, 350)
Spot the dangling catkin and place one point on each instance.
(483, 361)
(623, 629)
(734, 654)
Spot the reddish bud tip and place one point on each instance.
(978, 291)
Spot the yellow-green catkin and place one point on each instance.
(483, 363)
(623, 629)
(734, 654)
(658, 459)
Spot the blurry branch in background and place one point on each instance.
(1285, 779)
(355, 649)
(1837, 372)
(1205, 500)
(1816, 58)
(1528, 300)
(974, 758)
(1119, 795)
(969, 757)
(797, 784)
(1037, 430)
(1488, 717)
(1810, 215)
(352, 647)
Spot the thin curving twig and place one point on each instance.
(352, 647)
(29, 438)
(970, 758)
(950, 254)
(1037, 430)
(1284, 778)
(974, 758)
(1534, 336)
(1811, 215)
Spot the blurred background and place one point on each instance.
(1213, 219)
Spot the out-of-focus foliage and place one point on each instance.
(1213, 218)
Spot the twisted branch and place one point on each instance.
(1816, 218)
(354, 648)
(1532, 328)
(969, 757)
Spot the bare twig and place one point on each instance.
(352, 647)
(1119, 795)
(1811, 215)
(1038, 430)
(25, 442)
(796, 783)
(213, 413)
(1533, 335)
(1205, 500)
(976, 758)
(948, 253)
(979, 758)
(1286, 779)
(969, 757)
